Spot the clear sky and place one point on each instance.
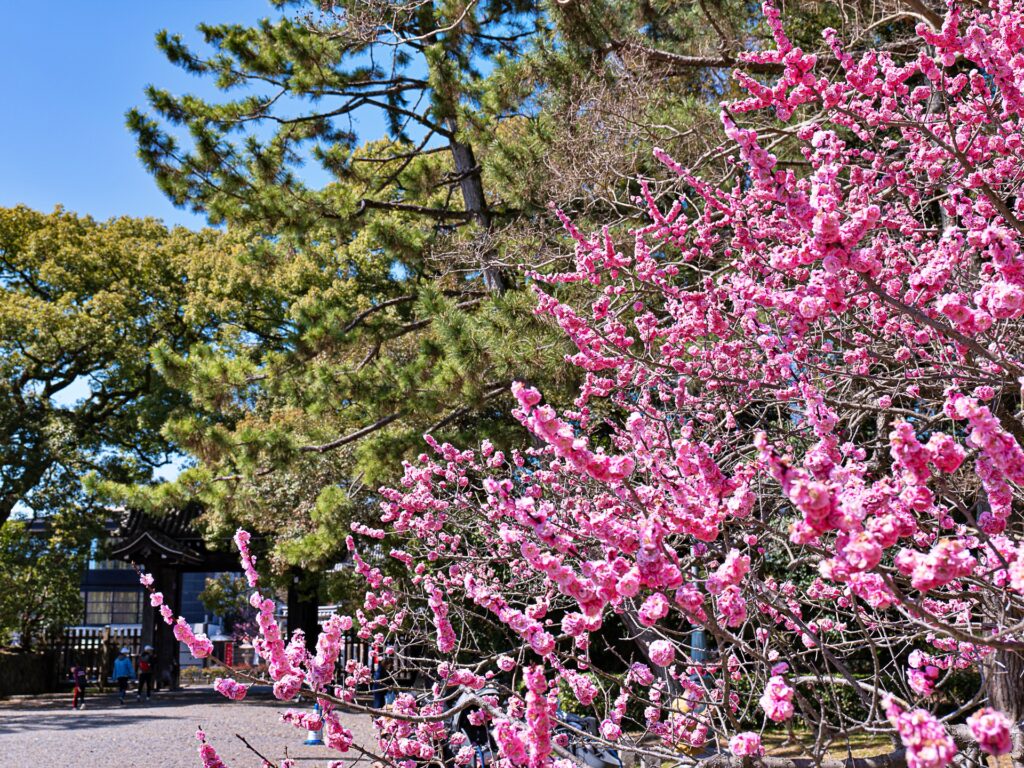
(69, 69)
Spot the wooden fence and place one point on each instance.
(94, 649)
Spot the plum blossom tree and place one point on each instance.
(799, 432)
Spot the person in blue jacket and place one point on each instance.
(124, 671)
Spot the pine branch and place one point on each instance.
(418, 324)
(351, 437)
(437, 213)
(496, 390)
(375, 308)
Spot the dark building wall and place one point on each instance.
(191, 585)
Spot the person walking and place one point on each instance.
(378, 688)
(78, 678)
(146, 662)
(383, 665)
(388, 662)
(123, 671)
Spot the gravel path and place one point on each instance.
(45, 732)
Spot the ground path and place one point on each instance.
(44, 732)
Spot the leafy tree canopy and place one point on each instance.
(39, 576)
(81, 304)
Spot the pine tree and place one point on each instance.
(389, 266)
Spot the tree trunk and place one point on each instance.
(304, 606)
(14, 491)
(474, 201)
(1004, 683)
(642, 639)
(1003, 676)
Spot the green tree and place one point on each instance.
(81, 303)
(40, 574)
(227, 595)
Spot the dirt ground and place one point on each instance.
(45, 732)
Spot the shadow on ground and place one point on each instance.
(45, 731)
(53, 711)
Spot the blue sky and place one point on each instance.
(69, 69)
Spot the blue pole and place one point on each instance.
(698, 644)
(316, 738)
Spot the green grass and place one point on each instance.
(782, 744)
(779, 743)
